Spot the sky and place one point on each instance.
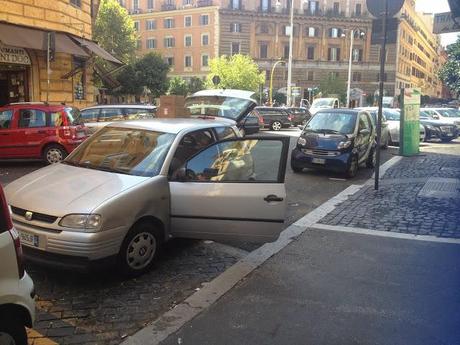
(437, 6)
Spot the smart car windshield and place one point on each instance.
(219, 106)
(340, 123)
(123, 150)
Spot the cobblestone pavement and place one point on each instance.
(400, 207)
(101, 308)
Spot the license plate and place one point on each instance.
(29, 239)
(450, 134)
(318, 161)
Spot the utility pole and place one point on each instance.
(291, 38)
(352, 34)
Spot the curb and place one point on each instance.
(174, 319)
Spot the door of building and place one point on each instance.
(13, 85)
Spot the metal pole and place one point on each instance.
(271, 81)
(382, 79)
(291, 37)
(48, 70)
(349, 68)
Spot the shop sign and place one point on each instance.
(14, 55)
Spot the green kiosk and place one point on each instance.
(409, 130)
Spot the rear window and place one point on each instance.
(5, 119)
(271, 111)
(111, 114)
(89, 115)
(139, 113)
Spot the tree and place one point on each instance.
(334, 87)
(195, 84)
(114, 30)
(151, 71)
(235, 72)
(450, 72)
(129, 81)
(178, 86)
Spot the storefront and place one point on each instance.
(14, 75)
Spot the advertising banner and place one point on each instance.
(409, 129)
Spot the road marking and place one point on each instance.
(379, 233)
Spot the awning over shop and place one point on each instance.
(93, 47)
(23, 37)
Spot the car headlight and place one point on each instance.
(344, 145)
(81, 221)
(302, 141)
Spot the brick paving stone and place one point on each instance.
(397, 207)
(100, 308)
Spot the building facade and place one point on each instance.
(321, 45)
(27, 28)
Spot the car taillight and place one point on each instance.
(261, 119)
(290, 117)
(69, 132)
(19, 255)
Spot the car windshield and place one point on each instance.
(392, 115)
(219, 106)
(322, 102)
(123, 150)
(448, 112)
(74, 115)
(335, 123)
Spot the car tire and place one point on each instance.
(54, 153)
(276, 126)
(13, 330)
(139, 249)
(296, 169)
(352, 168)
(371, 159)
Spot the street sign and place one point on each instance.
(443, 23)
(377, 7)
(295, 91)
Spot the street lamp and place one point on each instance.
(271, 80)
(350, 62)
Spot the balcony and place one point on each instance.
(168, 7)
(204, 3)
(333, 13)
(135, 11)
(315, 13)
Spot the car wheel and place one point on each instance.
(139, 249)
(276, 126)
(352, 167)
(296, 169)
(53, 154)
(371, 159)
(12, 332)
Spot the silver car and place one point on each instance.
(134, 185)
(393, 117)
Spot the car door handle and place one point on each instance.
(273, 198)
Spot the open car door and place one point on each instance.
(232, 190)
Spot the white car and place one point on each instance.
(393, 118)
(324, 103)
(446, 115)
(17, 304)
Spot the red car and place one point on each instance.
(39, 130)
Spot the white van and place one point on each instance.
(324, 103)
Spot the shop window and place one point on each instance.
(31, 118)
(79, 79)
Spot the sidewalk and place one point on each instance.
(381, 268)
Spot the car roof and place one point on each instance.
(174, 125)
(227, 93)
(130, 106)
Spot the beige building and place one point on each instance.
(26, 29)
(322, 32)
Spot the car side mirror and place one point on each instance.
(364, 131)
(435, 116)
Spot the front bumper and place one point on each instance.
(441, 134)
(339, 163)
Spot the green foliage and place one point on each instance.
(235, 72)
(279, 98)
(450, 72)
(195, 84)
(334, 87)
(178, 86)
(114, 30)
(148, 72)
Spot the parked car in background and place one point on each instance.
(393, 117)
(385, 139)
(195, 178)
(17, 304)
(446, 115)
(324, 103)
(40, 130)
(101, 115)
(299, 116)
(252, 124)
(274, 118)
(437, 129)
(336, 139)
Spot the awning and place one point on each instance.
(20, 36)
(93, 47)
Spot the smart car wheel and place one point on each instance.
(54, 154)
(139, 249)
(276, 126)
(12, 332)
(352, 167)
